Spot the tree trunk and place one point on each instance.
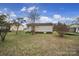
(3, 36)
(33, 29)
(61, 34)
(17, 30)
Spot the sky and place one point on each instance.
(49, 12)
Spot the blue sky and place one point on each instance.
(45, 9)
(65, 9)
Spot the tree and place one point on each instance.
(2, 18)
(77, 20)
(33, 15)
(4, 27)
(17, 23)
(61, 29)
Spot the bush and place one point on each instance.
(61, 29)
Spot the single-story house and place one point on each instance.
(14, 28)
(40, 27)
(74, 28)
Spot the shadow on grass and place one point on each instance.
(72, 33)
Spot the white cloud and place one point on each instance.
(5, 9)
(25, 18)
(44, 19)
(56, 16)
(1, 12)
(32, 8)
(23, 9)
(12, 14)
(62, 19)
(44, 11)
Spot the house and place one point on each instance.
(40, 27)
(74, 28)
(14, 28)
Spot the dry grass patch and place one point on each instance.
(39, 44)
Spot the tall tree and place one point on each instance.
(17, 23)
(4, 27)
(33, 15)
(2, 18)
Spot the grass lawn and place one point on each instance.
(39, 44)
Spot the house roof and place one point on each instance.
(38, 24)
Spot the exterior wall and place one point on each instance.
(41, 28)
(77, 29)
(21, 28)
(28, 28)
(74, 29)
(14, 28)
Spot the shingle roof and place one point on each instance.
(37, 24)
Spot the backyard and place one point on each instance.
(39, 44)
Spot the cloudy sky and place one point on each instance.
(49, 12)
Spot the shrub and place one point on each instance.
(61, 29)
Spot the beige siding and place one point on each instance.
(29, 28)
(43, 28)
(14, 28)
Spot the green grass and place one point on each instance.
(72, 33)
(39, 44)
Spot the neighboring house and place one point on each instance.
(74, 28)
(14, 28)
(41, 27)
